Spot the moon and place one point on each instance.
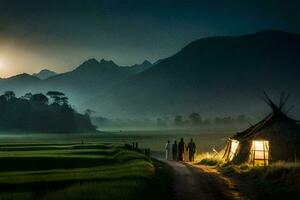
(2, 67)
(1, 63)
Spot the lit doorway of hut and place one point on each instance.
(234, 144)
(259, 154)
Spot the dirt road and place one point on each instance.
(192, 182)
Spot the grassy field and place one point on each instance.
(33, 168)
(280, 180)
(155, 140)
(89, 166)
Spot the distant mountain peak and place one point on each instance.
(87, 64)
(233, 67)
(95, 62)
(146, 62)
(108, 62)
(237, 68)
(23, 76)
(158, 61)
(91, 61)
(44, 74)
(103, 60)
(141, 67)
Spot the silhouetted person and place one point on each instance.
(181, 148)
(175, 151)
(168, 151)
(192, 150)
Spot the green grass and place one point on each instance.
(78, 171)
(121, 189)
(210, 162)
(154, 188)
(280, 180)
(277, 181)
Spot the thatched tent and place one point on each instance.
(275, 138)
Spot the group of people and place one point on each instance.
(176, 152)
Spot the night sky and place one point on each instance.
(59, 35)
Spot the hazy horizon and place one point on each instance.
(59, 36)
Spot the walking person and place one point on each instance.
(175, 151)
(192, 150)
(168, 151)
(181, 148)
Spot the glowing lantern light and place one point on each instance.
(260, 152)
(233, 148)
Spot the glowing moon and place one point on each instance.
(1, 63)
(2, 68)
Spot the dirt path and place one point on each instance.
(192, 182)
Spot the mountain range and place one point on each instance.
(213, 76)
(217, 75)
(90, 78)
(44, 74)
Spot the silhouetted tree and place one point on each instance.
(64, 101)
(178, 120)
(9, 95)
(35, 114)
(27, 96)
(2, 100)
(195, 118)
(57, 97)
(39, 99)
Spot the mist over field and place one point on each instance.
(152, 100)
(203, 77)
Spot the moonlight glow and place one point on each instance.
(4, 72)
(127, 32)
(1, 65)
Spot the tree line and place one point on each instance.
(190, 120)
(50, 113)
(195, 119)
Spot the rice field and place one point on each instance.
(88, 166)
(34, 169)
(155, 140)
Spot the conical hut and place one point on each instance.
(275, 138)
